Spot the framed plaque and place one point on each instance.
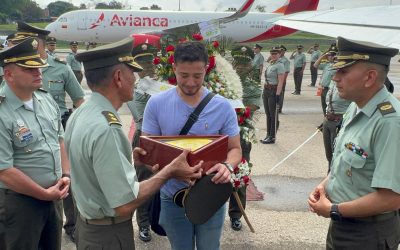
(163, 149)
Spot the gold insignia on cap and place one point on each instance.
(34, 44)
(126, 59)
(32, 63)
(353, 57)
(111, 118)
(16, 59)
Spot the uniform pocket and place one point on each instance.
(354, 160)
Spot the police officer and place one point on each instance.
(361, 194)
(286, 63)
(315, 54)
(73, 63)
(57, 79)
(105, 184)
(325, 62)
(258, 60)
(34, 167)
(299, 65)
(144, 55)
(51, 43)
(274, 77)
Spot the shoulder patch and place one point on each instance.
(42, 90)
(386, 108)
(111, 118)
(2, 98)
(57, 59)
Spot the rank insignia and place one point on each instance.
(111, 118)
(386, 108)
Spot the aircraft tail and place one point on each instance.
(294, 6)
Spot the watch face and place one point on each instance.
(336, 216)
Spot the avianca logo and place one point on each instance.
(98, 22)
(138, 21)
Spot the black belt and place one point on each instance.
(106, 221)
(371, 219)
(270, 86)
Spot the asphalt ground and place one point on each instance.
(282, 219)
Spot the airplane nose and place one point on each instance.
(52, 28)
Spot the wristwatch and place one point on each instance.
(228, 166)
(335, 214)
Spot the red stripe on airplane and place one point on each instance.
(249, 3)
(274, 32)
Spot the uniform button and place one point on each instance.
(348, 172)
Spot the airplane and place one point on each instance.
(106, 26)
(377, 24)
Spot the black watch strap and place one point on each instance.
(66, 175)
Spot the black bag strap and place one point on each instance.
(194, 116)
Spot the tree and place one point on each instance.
(144, 8)
(155, 7)
(60, 7)
(32, 12)
(230, 10)
(112, 5)
(260, 8)
(82, 6)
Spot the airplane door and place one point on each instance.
(82, 21)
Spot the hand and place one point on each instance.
(319, 202)
(58, 191)
(223, 174)
(179, 168)
(277, 99)
(137, 152)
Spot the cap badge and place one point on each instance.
(34, 44)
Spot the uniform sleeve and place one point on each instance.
(6, 147)
(150, 121)
(72, 86)
(69, 59)
(231, 127)
(280, 69)
(114, 172)
(385, 145)
(303, 59)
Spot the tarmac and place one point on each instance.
(282, 220)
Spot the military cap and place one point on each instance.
(316, 45)
(242, 54)
(144, 52)
(73, 43)
(282, 47)
(32, 31)
(1, 46)
(16, 38)
(333, 49)
(51, 40)
(258, 46)
(352, 51)
(300, 46)
(109, 55)
(24, 54)
(275, 49)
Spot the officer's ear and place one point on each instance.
(371, 77)
(117, 77)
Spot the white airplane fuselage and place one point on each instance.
(105, 26)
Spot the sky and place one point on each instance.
(221, 5)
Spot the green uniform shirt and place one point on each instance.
(58, 78)
(327, 74)
(102, 174)
(335, 104)
(30, 138)
(286, 63)
(51, 53)
(258, 60)
(137, 107)
(73, 63)
(355, 174)
(272, 72)
(1, 71)
(315, 55)
(299, 60)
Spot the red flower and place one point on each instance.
(211, 63)
(246, 179)
(243, 160)
(247, 112)
(172, 80)
(197, 37)
(215, 44)
(241, 120)
(171, 59)
(236, 183)
(170, 48)
(238, 110)
(236, 170)
(156, 60)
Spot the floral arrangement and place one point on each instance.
(246, 124)
(240, 176)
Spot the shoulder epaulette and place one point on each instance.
(2, 98)
(43, 90)
(386, 108)
(57, 59)
(111, 118)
